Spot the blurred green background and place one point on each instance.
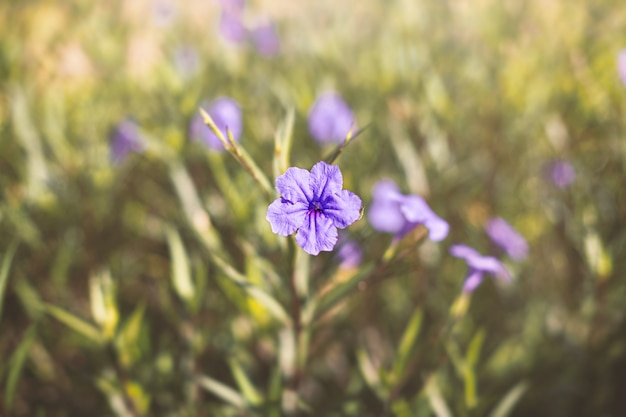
(114, 304)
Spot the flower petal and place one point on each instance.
(316, 234)
(472, 281)
(437, 228)
(325, 180)
(343, 208)
(385, 216)
(293, 185)
(416, 210)
(286, 217)
(490, 265)
(463, 251)
(386, 190)
(506, 237)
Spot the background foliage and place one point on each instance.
(155, 286)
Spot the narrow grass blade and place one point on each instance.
(222, 391)
(103, 304)
(181, 271)
(75, 323)
(506, 404)
(348, 140)
(437, 402)
(282, 143)
(407, 342)
(250, 393)
(16, 365)
(4, 271)
(254, 291)
(238, 153)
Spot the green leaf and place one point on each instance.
(407, 342)
(506, 404)
(254, 291)
(75, 323)
(469, 376)
(16, 364)
(473, 351)
(239, 153)
(339, 292)
(302, 269)
(370, 373)
(191, 205)
(128, 340)
(243, 382)
(437, 402)
(222, 391)
(274, 392)
(282, 143)
(181, 272)
(103, 305)
(4, 271)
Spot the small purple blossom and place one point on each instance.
(265, 39)
(125, 139)
(231, 27)
(561, 173)
(394, 212)
(314, 205)
(621, 66)
(349, 253)
(479, 265)
(330, 118)
(226, 113)
(506, 237)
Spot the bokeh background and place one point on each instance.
(113, 305)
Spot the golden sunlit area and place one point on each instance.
(312, 208)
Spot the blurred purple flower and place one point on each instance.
(393, 212)
(265, 39)
(330, 118)
(506, 237)
(621, 66)
(232, 28)
(313, 204)
(478, 265)
(349, 253)
(125, 139)
(226, 113)
(561, 173)
(186, 60)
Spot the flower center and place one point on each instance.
(316, 207)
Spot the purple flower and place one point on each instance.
(506, 237)
(265, 39)
(226, 113)
(479, 265)
(349, 253)
(621, 65)
(125, 139)
(330, 118)
(393, 212)
(561, 173)
(314, 205)
(232, 28)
